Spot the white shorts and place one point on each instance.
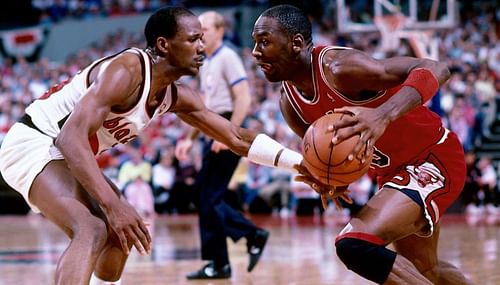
(23, 155)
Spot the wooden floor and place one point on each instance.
(300, 251)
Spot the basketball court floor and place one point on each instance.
(300, 251)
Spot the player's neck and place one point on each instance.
(302, 76)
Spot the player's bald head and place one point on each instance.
(212, 18)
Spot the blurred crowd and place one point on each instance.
(57, 10)
(148, 170)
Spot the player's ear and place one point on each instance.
(298, 43)
(162, 46)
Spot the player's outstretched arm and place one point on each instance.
(259, 148)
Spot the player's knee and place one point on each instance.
(366, 255)
(92, 230)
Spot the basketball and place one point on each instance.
(326, 162)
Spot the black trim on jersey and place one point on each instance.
(87, 81)
(141, 89)
(174, 96)
(143, 69)
(26, 120)
(63, 121)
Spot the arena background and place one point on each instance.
(43, 42)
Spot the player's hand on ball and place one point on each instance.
(325, 191)
(369, 123)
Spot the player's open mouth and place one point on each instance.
(199, 60)
(266, 67)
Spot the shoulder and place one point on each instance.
(126, 67)
(118, 77)
(130, 59)
(342, 60)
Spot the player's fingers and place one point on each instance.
(145, 230)
(369, 148)
(364, 137)
(344, 121)
(337, 204)
(142, 234)
(345, 110)
(346, 198)
(301, 169)
(324, 201)
(305, 179)
(344, 133)
(145, 236)
(300, 178)
(135, 241)
(123, 242)
(311, 184)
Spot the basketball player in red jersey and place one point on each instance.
(418, 163)
(49, 155)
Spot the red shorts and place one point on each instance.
(435, 179)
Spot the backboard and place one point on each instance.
(413, 20)
(420, 15)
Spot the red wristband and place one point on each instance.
(424, 81)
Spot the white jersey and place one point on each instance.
(51, 111)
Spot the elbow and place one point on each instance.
(60, 142)
(63, 141)
(444, 73)
(439, 69)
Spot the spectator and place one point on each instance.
(488, 184)
(133, 167)
(163, 180)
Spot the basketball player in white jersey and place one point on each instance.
(49, 155)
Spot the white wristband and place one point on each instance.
(266, 151)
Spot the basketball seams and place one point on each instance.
(319, 170)
(318, 157)
(330, 160)
(327, 162)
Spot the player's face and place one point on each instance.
(186, 50)
(272, 49)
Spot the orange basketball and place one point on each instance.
(326, 162)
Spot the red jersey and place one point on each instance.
(403, 140)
